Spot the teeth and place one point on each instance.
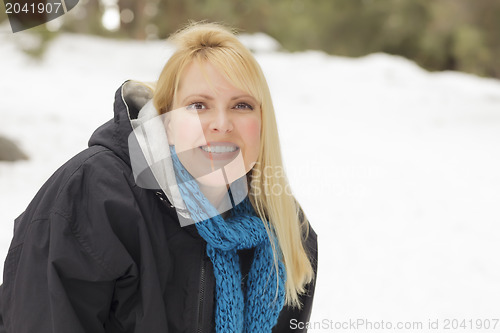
(219, 149)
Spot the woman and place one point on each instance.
(169, 221)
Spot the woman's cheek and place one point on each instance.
(251, 132)
(189, 133)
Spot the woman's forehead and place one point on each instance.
(206, 78)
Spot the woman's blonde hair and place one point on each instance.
(219, 46)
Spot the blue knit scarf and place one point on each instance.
(259, 308)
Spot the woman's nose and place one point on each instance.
(221, 121)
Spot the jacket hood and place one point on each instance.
(136, 134)
(129, 99)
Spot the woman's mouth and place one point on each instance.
(220, 151)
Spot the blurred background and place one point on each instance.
(389, 118)
(460, 35)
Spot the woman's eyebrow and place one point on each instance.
(198, 95)
(210, 98)
(243, 96)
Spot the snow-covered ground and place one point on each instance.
(396, 168)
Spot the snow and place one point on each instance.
(260, 42)
(396, 167)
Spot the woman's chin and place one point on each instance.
(216, 173)
(214, 179)
(218, 178)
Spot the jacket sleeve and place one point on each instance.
(294, 319)
(51, 284)
(2, 327)
(64, 260)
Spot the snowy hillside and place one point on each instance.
(396, 168)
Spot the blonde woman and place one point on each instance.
(177, 218)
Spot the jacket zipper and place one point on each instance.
(201, 295)
(203, 270)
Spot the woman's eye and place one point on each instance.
(196, 106)
(243, 106)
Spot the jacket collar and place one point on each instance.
(129, 99)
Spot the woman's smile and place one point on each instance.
(220, 151)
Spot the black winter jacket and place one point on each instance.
(93, 252)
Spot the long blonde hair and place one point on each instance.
(218, 45)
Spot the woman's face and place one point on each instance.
(214, 126)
